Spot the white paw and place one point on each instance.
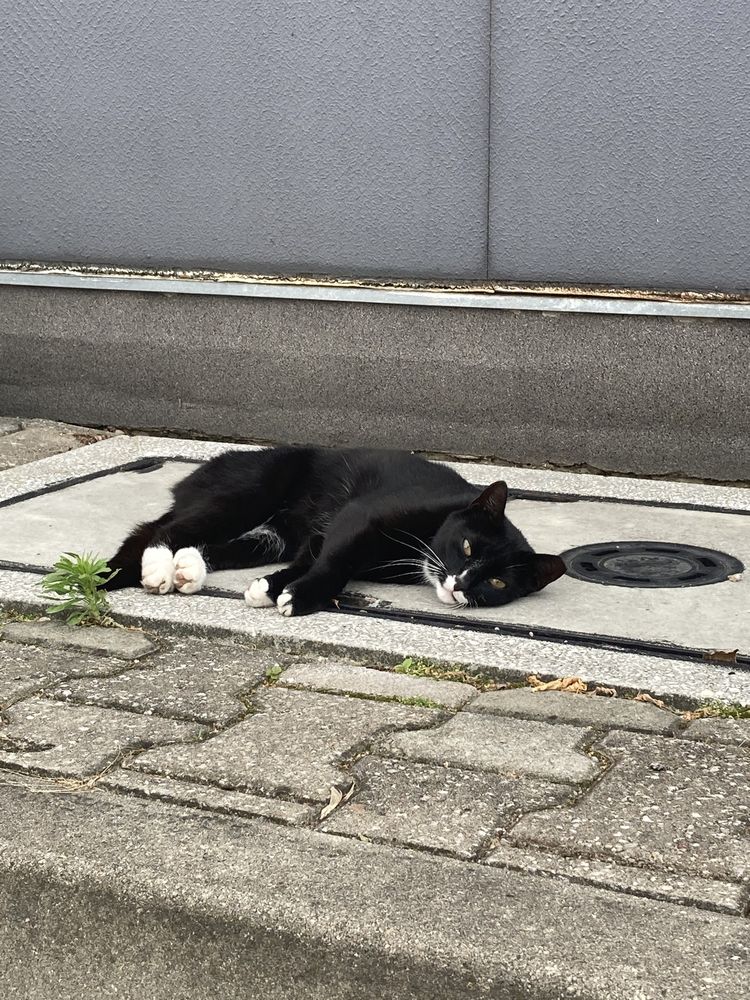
(256, 594)
(157, 570)
(189, 571)
(284, 604)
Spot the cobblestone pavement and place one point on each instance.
(602, 791)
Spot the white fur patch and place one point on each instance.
(284, 604)
(270, 538)
(256, 594)
(190, 571)
(157, 570)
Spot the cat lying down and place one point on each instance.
(335, 516)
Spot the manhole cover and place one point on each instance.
(649, 564)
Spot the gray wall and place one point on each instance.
(568, 140)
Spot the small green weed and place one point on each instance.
(75, 582)
(273, 673)
(423, 668)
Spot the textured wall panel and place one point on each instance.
(332, 136)
(621, 142)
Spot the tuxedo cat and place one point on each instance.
(335, 516)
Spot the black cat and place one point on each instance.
(335, 516)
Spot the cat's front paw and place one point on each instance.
(285, 603)
(257, 595)
(157, 570)
(190, 571)
(297, 601)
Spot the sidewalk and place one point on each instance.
(196, 817)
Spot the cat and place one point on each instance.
(335, 515)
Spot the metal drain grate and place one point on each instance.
(649, 564)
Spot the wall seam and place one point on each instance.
(489, 139)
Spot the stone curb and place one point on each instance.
(128, 897)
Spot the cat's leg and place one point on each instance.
(176, 552)
(264, 592)
(350, 544)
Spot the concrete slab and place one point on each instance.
(735, 731)
(77, 741)
(435, 807)
(178, 903)
(501, 746)
(292, 746)
(667, 804)
(36, 530)
(347, 679)
(388, 641)
(576, 710)
(125, 644)
(35, 439)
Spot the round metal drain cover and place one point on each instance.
(649, 564)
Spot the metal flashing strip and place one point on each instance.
(397, 296)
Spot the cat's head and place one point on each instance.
(483, 560)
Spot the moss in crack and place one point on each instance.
(425, 668)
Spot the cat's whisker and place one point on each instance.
(426, 552)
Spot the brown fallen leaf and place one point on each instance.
(337, 796)
(573, 685)
(721, 655)
(643, 696)
(605, 692)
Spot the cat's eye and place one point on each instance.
(467, 547)
(497, 584)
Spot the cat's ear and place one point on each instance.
(547, 569)
(493, 499)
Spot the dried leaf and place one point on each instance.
(643, 696)
(605, 692)
(721, 655)
(573, 685)
(337, 797)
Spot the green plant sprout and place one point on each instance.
(75, 581)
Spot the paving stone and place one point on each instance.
(735, 731)
(23, 673)
(191, 793)
(350, 679)
(123, 643)
(42, 438)
(724, 897)
(500, 745)
(27, 670)
(669, 804)
(576, 709)
(442, 808)
(8, 425)
(196, 680)
(292, 746)
(50, 737)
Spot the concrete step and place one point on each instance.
(660, 640)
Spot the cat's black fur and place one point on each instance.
(341, 515)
